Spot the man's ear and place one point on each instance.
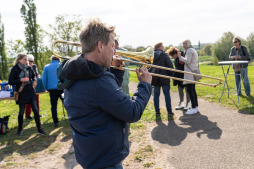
(100, 46)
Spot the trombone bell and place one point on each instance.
(145, 56)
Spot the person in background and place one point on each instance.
(23, 76)
(97, 108)
(191, 61)
(50, 80)
(179, 65)
(240, 52)
(30, 58)
(161, 59)
(126, 76)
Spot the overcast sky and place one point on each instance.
(144, 22)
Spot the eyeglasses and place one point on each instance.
(31, 61)
(235, 41)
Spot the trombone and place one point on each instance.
(144, 58)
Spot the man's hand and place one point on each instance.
(118, 63)
(34, 84)
(144, 76)
(25, 79)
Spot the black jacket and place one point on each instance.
(161, 59)
(28, 92)
(178, 66)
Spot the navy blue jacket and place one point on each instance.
(98, 112)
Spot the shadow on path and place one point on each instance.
(173, 134)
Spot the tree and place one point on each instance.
(28, 13)
(66, 28)
(12, 50)
(250, 43)
(3, 58)
(207, 50)
(222, 47)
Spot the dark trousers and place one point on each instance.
(54, 95)
(193, 95)
(36, 115)
(28, 106)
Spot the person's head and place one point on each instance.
(30, 59)
(237, 41)
(98, 38)
(186, 43)
(172, 51)
(159, 46)
(21, 58)
(53, 57)
(116, 44)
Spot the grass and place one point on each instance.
(213, 94)
(27, 145)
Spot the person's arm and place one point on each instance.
(13, 79)
(245, 51)
(169, 65)
(187, 58)
(232, 54)
(114, 101)
(118, 74)
(34, 78)
(45, 78)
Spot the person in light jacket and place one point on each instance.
(191, 61)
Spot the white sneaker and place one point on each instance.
(187, 106)
(191, 111)
(197, 109)
(180, 106)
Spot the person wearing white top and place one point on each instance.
(191, 61)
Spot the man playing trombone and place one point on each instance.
(98, 109)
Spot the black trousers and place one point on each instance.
(54, 95)
(36, 115)
(193, 95)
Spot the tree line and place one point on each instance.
(67, 28)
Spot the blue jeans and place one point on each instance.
(117, 166)
(166, 89)
(246, 82)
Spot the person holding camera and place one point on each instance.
(179, 65)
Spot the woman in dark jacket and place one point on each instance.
(22, 75)
(179, 65)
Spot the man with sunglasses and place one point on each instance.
(240, 52)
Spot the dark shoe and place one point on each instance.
(157, 114)
(19, 132)
(41, 131)
(171, 114)
(29, 117)
(56, 125)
